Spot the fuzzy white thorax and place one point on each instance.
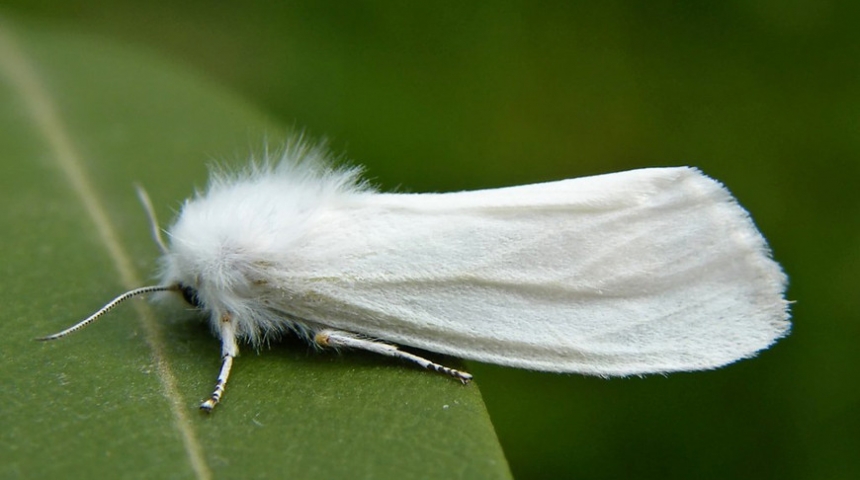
(229, 239)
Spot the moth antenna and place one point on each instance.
(116, 301)
(150, 213)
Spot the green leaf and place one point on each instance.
(82, 120)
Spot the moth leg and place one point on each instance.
(229, 350)
(338, 339)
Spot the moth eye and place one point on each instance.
(189, 294)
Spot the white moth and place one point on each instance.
(646, 271)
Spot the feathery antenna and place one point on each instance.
(116, 301)
(153, 221)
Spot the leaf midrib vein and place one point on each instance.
(23, 77)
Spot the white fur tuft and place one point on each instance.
(227, 237)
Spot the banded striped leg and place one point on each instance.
(337, 339)
(229, 350)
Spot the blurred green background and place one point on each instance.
(762, 95)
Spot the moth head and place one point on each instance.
(188, 292)
(190, 295)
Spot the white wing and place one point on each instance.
(652, 270)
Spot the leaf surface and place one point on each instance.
(82, 120)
